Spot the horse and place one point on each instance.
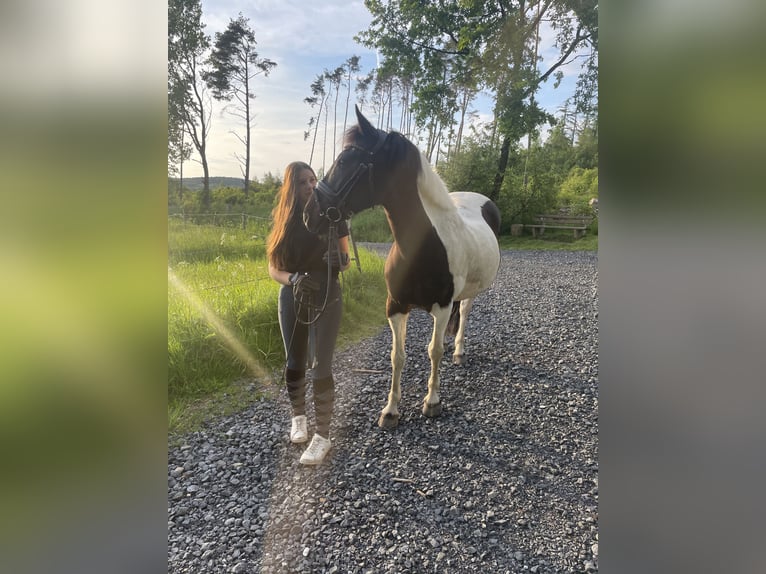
(445, 250)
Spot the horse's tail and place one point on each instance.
(454, 319)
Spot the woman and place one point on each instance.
(310, 305)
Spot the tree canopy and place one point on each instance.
(446, 47)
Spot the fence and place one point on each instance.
(245, 220)
(216, 270)
(219, 219)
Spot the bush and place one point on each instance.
(259, 201)
(472, 169)
(576, 191)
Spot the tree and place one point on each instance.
(471, 167)
(586, 151)
(336, 79)
(317, 97)
(234, 65)
(363, 87)
(352, 67)
(189, 106)
(495, 40)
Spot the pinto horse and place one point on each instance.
(445, 249)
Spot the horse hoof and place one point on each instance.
(458, 359)
(432, 410)
(388, 421)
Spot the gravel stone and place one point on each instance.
(505, 480)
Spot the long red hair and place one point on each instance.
(287, 216)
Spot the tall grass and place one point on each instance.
(189, 243)
(372, 226)
(553, 240)
(224, 340)
(222, 318)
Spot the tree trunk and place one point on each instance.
(205, 198)
(502, 164)
(463, 109)
(324, 142)
(247, 135)
(316, 128)
(335, 120)
(348, 99)
(181, 170)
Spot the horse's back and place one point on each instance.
(474, 205)
(480, 246)
(480, 214)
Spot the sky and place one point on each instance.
(304, 38)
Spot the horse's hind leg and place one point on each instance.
(389, 417)
(432, 406)
(458, 357)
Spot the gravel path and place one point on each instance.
(506, 480)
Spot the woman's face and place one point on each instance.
(305, 185)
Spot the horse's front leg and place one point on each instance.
(432, 406)
(389, 417)
(458, 357)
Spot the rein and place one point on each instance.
(313, 312)
(332, 242)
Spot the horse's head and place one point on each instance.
(349, 186)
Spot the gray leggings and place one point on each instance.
(295, 334)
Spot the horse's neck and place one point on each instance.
(418, 207)
(407, 219)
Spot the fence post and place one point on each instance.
(244, 221)
(353, 245)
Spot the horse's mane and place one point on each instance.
(431, 185)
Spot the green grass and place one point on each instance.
(372, 226)
(560, 241)
(224, 343)
(188, 242)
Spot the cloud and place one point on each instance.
(305, 39)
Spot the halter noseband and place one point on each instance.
(330, 200)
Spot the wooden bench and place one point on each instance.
(577, 223)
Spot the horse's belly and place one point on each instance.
(481, 264)
(478, 282)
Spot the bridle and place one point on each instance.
(331, 204)
(330, 201)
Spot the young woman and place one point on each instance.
(310, 305)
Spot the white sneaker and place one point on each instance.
(298, 431)
(316, 451)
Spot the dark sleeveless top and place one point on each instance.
(306, 249)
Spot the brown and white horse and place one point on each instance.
(445, 249)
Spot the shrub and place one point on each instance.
(576, 191)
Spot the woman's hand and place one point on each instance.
(338, 259)
(303, 284)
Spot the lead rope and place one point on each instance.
(332, 239)
(313, 312)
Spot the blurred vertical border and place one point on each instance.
(83, 286)
(682, 271)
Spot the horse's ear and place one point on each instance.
(364, 125)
